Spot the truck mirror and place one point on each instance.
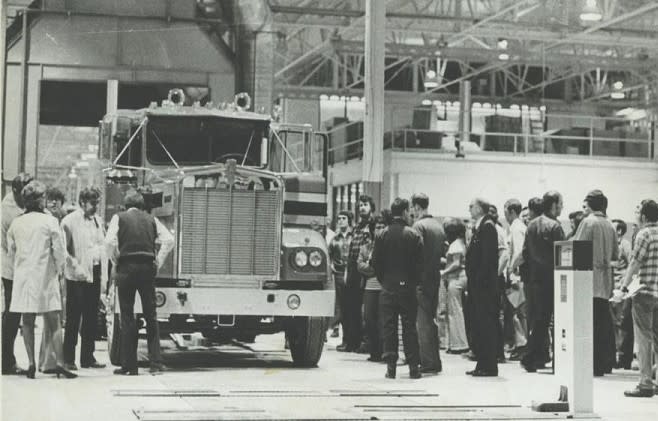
(263, 151)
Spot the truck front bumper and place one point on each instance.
(236, 301)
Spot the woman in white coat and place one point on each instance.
(36, 249)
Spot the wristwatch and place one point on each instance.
(624, 290)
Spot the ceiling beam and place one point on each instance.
(461, 36)
(517, 56)
(647, 8)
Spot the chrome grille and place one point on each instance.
(234, 233)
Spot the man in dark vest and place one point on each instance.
(131, 240)
(398, 263)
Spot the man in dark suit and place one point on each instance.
(482, 288)
(398, 263)
(542, 232)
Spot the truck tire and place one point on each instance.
(305, 337)
(113, 323)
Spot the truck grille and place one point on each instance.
(230, 233)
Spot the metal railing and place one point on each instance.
(343, 148)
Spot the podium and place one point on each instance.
(574, 330)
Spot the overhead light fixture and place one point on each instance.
(430, 81)
(591, 12)
(502, 45)
(617, 93)
(426, 102)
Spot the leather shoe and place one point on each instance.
(123, 372)
(70, 366)
(363, 349)
(374, 359)
(390, 370)
(639, 393)
(157, 368)
(344, 348)
(94, 364)
(530, 368)
(484, 373)
(414, 372)
(14, 371)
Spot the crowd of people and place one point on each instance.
(56, 263)
(401, 268)
(492, 284)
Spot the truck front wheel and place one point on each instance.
(305, 337)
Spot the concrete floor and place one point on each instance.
(232, 382)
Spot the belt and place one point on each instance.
(136, 259)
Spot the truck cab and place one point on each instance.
(245, 199)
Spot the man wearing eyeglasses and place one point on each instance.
(85, 271)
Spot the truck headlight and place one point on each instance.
(301, 258)
(315, 258)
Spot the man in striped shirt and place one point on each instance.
(644, 263)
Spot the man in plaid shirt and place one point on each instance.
(354, 286)
(644, 263)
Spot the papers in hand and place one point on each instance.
(633, 288)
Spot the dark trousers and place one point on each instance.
(540, 307)
(351, 315)
(82, 304)
(428, 333)
(502, 300)
(400, 303)
(10, 323)
(373, 322)
(485, 308)
(604, 337)
(339, 303)
(131, 278)
(622, 322)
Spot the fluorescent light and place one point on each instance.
(617, 95)
(591, 12)
(625, 111)
(426, 102)
(503, 56)
(618, 85)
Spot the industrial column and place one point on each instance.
(373, 152)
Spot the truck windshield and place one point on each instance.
(203, 140)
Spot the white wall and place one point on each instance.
(451, 183)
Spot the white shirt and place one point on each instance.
(84, 243)
(517, 232)
(163, 238)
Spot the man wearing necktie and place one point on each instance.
(85, 271)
